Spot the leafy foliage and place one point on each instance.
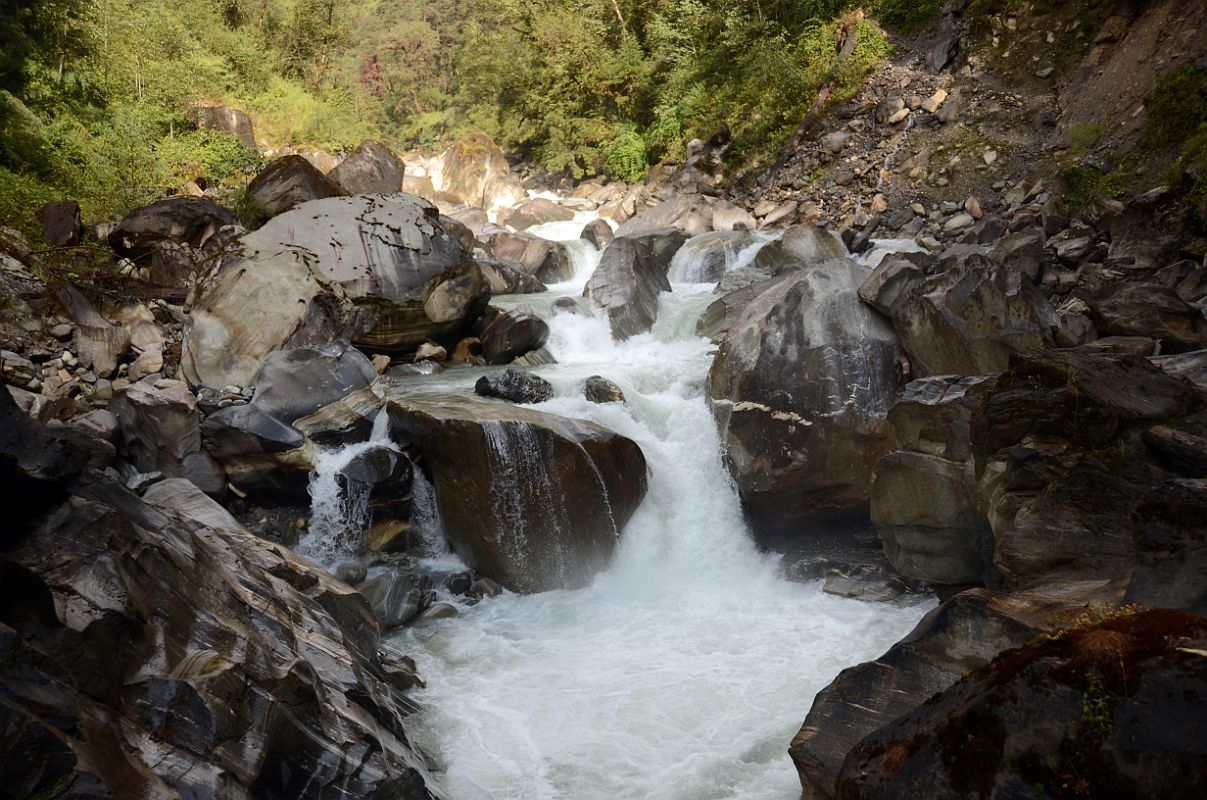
(95, 94)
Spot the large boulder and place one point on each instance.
(971, 318)
(691, 214)
(799, 247)
(175, 240)
(543, 259)
(476, 173)
(190, 221)
(626, 285)
(287, 182)
(537, 211)
(599, 233)
(226, 119)
(1063, 442)
(1109, 710)
(963, 634)
(372, 168)
(380, 270)
(161, 432)
(507, 335)
(924, 496)
(531, 500)
(167, 648)
(61, 225)
(1153, 311)
(801, 388)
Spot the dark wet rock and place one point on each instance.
(662, 243)
(963, 634)
(599, 233)
(507, 335)
(396, 596)
(598, 389)
(37, 465)
(372, 168)
(545, 260)
(287, 182)
(1171, 546)
(515, 386)
(1088, 709)
(925, 504)
(626, 285)
(503, 279)
(531, 500)
(1152, 311)
(325, 394)
(378, 270)
(800, 388)
(969, 319)
(1058, 445)
(166, 647)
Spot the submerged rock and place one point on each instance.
(515, 386)
(532, 500)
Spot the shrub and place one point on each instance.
(626, 157)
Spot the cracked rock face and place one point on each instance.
(379, 270)
(152, 647)
(801, 388)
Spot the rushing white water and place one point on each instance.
(339, 514)
(684, 670)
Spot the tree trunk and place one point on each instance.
(848, 38)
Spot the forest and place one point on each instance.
(95, 95)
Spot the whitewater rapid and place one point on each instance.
(685, 669)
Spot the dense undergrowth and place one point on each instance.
(95, 94)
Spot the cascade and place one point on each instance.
(339, 510)
(685, 668)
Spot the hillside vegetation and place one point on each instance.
(95, 94)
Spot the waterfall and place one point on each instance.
(339, 510)
(425, 517)
(683, 670)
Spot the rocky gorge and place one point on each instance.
(885, 479)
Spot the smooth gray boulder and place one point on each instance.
(800, 389)
(626, 285)
(287, 182)
(545, 260)
(378, 270)
(372, 168)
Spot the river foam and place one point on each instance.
(685, 669)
